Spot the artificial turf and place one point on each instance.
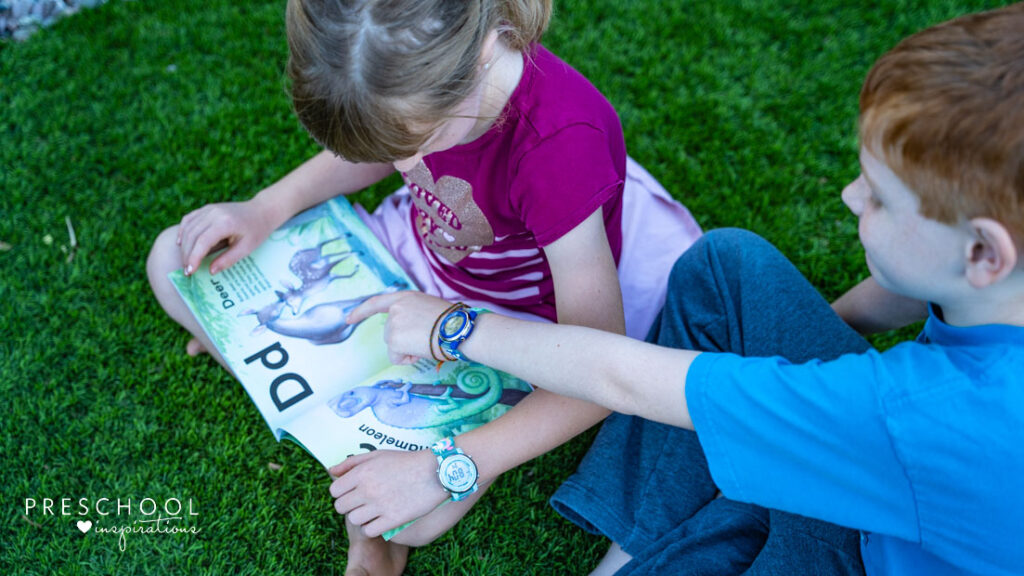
(122, 118)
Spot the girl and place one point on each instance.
(518, 196)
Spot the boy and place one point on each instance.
(918, 447)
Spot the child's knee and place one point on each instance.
(163, 249)
(164, 258)
(722, 249)
(729, 246)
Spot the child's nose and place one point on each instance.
(855, 194)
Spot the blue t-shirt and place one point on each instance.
(920, 447)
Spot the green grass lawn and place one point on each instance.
(125, 117)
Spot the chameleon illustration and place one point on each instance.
(409, 405)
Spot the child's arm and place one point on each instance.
(586, 287)
(587, 294)
(869, 308)
(242, 226)
(622, 374)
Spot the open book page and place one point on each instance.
(406, 408)
(278, 315)
(278, 319)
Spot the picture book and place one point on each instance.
(278, 318)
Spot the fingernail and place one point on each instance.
(188, 270)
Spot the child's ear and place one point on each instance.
(991, 252)
(487, 53)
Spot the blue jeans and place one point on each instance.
(646, 485)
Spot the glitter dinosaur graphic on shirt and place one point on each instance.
(446, 218)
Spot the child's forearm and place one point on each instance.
(539, 423)
(544, 420)
(587, 295)
(869, 308)
(618, 373)
(320, 178)
(613, 371)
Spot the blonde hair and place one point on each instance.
(945, 109)
(370, 79)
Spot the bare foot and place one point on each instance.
(373, 556)
(195, 347)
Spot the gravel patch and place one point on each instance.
(19, 19)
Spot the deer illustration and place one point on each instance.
(321, 324)
(313, 269)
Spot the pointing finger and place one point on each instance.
(376, 305)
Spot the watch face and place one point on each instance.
(457, 473)
(453, 325)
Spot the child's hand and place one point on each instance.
(241, 226)
(408, 332)
(385, 489)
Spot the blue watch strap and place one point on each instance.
(455, 328)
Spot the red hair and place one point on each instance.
(945, 110)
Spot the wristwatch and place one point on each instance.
(455, 469)
(456, 326)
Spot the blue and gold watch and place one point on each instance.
(455, 469)
(456, 326)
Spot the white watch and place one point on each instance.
(455, 469)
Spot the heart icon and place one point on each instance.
(85, 526)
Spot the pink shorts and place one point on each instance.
(656, 230)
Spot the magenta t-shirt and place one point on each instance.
(483, 211)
